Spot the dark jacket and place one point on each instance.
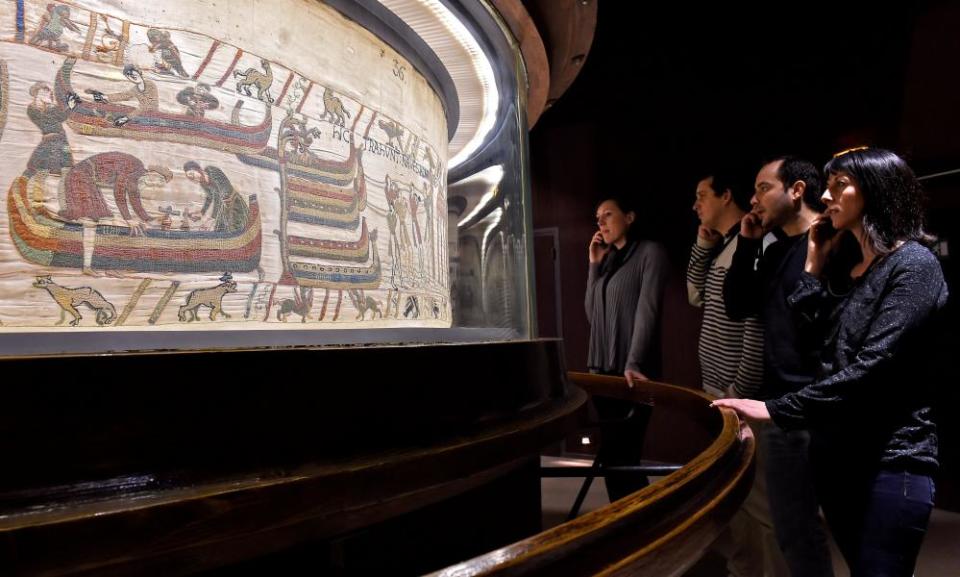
(788, 364)
(871, 404)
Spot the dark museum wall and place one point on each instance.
(661, 99)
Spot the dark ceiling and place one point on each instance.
(663, 95)
(708, 83)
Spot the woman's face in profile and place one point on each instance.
(844, 201)
(613, 222)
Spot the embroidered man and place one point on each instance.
(143, 91)
(51, 28)
(53, 153)
(198, 100)
(125, 173)
(229, 210)
(169, 62)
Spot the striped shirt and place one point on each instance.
(731, 352)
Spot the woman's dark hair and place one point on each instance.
(624, 202)
(892, 197)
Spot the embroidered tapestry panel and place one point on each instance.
(184, 164)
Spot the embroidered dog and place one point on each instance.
(70, 298)
(301, 304)
(260, 80)
(393, 131)
(365, 303)
(208, 297)
(333, 108)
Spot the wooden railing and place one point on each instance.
(108, 479)
(660, 530)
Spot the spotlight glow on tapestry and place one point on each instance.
(175, 164)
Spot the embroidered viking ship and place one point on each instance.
(351, 251)
(330, 195)
(308, 207)
(45, 240)
(312, 208)
(96, 119)
(309, 169)
(309, 274)
(309, 178)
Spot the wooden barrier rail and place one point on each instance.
(274, 481)
(660, 530)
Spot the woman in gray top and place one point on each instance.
(624, 294)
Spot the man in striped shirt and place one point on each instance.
(731, 352)
(731, 360)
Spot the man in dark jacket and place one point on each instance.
(761, 276)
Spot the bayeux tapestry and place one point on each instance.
(184, 164)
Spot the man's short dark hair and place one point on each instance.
(724, 179)
(795, 168)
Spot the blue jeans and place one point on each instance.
(878, 520)
(794, 507)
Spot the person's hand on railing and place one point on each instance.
(634, 376)
(747, 408)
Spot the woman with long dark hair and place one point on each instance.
(871, 294)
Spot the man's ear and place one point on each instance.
(798, 189)
(727, 197)
(630, 217)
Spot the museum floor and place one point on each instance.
(938, 558)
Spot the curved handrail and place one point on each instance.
(660, 530)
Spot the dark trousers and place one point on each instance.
(621, 442)
(793, 502)
(878, 520)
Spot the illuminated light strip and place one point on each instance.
(491, 177)
(467, 65)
